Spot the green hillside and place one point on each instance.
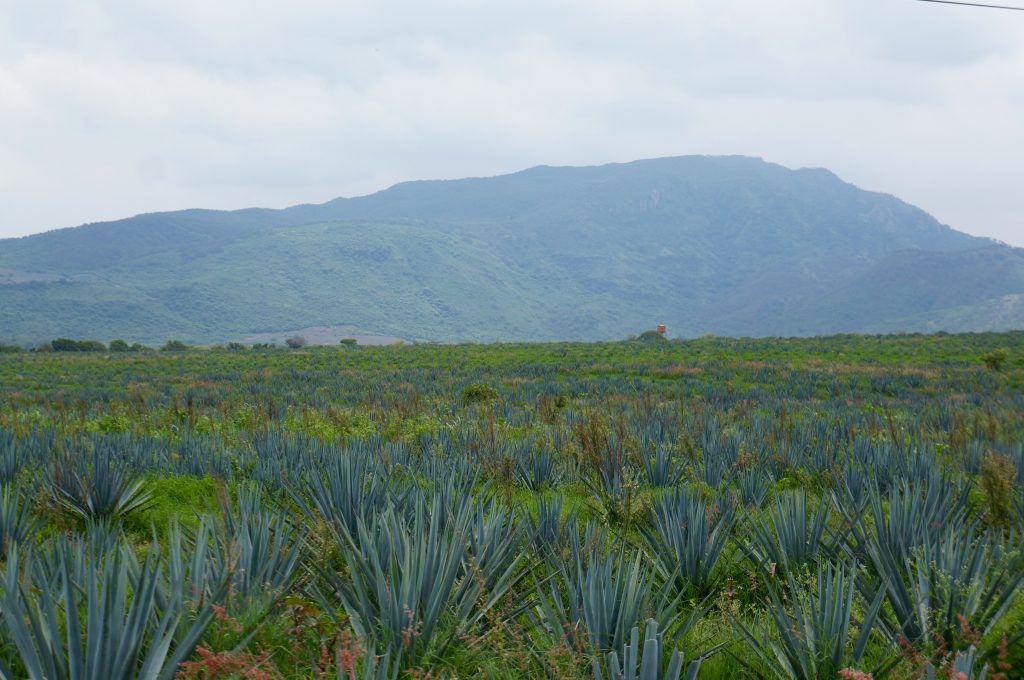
(705, 244)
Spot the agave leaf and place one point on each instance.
(126, 633)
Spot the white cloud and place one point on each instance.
(113, 108)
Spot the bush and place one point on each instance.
(995, 359)
(295, 342)
(69, 345)
(174, 346)
(349, 342)
(64, 345)
(997, 480)
(478, 393)
(119, 346)
(10, 349)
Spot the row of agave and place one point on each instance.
(654, 459)
(900, 553)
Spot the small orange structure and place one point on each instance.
(661, 328)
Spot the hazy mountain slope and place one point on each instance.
(731, 245)
(931, 285)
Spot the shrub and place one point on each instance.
(998, 476)
(69, 345)
(174, 346)
(995, 359)
(119, 346)
(295, 342)
(478, 393)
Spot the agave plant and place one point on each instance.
(102, 490)
(414, 585)
(494, 540)
(753, 487)
(616, 494)
(613, 594)
(10, 461)
(16, 521)
(687, 538)
(717, 464)
(854, 489)
(952, 592)
(644, 663)
(547, 531)
(788, 534)
(661, 469)
(961, 667)
(596, 599)
(254, 545)
(912, 517)
(352, 488)
(97, 617)
(538, 470)
(812, 624)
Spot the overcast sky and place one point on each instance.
(108, 109)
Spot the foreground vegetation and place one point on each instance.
(808, 508)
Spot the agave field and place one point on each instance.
(846, 507)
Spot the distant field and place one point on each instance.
(810, 508)
(323, 335)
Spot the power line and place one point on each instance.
(973, 4)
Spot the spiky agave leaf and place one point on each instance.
(952, 592)
(753, 487)
(644, 663)
(788, 534)
(108, 626)
(687, 537)
(414, 585)
(547, 530)
(10, 460)
(965, 665)
(661, 469)
(494, 540)
(912, 515)
(17, 524)
(96, 488)
(812, 625)
(538, 470)
(599, 596)
(351, 488)
(255, 544)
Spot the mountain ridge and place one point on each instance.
(725, 244)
